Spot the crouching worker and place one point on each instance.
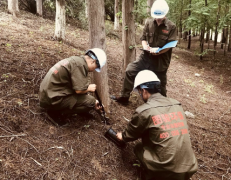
(64, 90)
(165, 152)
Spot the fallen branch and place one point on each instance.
(13, 135)
(126, 119)
(36, 162)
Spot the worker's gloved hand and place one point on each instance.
(153, 50)
(146, 47)
(91, 88)
(97, 106)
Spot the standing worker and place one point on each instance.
(157, 32)
(165, 152)
(64, 90)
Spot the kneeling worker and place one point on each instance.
(64, 90)
(165, 152)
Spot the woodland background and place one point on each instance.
(40, 33)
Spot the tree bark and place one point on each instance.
(60, 20)
(149, 6)
(97, 39)
(39, 7)
(180, 27)
(216, 28)
(86, 8)
(117, 20)
(13, 7)
(222, 38)
(128, 30)
(189, 32)
(229, 46)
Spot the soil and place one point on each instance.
(31, 147)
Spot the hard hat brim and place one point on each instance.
(97, 69)
(158, 17)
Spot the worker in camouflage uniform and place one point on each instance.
(157, 32)
(64, 89)
(165, 152)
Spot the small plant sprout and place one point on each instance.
(138, 165)
(209, 88)
(221, 79)
(86, 126)
(8, 45)
(203, 99)
(188, 80)
(131, 47)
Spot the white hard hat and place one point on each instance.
(100, 56)
(144, 77)
(159, 9)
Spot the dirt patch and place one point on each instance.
(32, 148)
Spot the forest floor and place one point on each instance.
(33, 148)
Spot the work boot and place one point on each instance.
(121, 100)
(56, 117)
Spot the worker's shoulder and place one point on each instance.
(160, 101)
(76, 60)
(169, 23)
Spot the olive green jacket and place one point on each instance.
(63, 79)
(158, 36)
(162, 125)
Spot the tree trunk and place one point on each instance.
(189, 39)
(222, 38)
(97, 39)
(216, 27)
(202, 42)
(117, 20)
(86, 8)
(211, 35)
(229, 46)
(207, 37)
(39, 7)
(13, 7)
(225, 39)
(128, 30)
(60, 20)
(149, 6)
(189, 32)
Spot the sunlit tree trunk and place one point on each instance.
(229, 46)
(117, 20)
(60, 20)
(13, 7)
(39, 7)
(128, 30)
(97, 39)
(216, 28)
(86, 8)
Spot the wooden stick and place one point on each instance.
(13, 136)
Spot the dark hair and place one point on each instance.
(93, 56)
(152, 87)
